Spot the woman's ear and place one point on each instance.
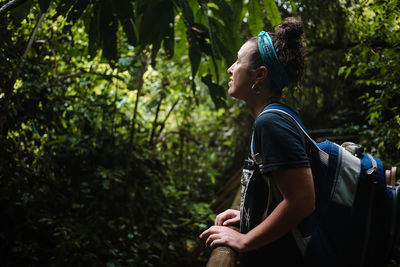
(261, 74)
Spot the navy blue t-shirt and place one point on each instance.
(280, 144)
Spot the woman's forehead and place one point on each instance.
(245, 50)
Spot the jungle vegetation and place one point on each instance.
(116, 132)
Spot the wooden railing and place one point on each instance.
(224, 256)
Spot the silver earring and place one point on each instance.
(257, 92)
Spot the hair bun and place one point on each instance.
(291, 29)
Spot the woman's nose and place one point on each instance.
(230, 69)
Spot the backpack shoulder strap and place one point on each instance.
(321, 155)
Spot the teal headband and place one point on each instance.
(271, 61)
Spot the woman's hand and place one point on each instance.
(222, 235)
(228, 217)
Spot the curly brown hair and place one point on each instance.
(288, 42)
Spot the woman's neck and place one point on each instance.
(260, 103)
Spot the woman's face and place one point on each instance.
(242, 78)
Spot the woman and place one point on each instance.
(265, 65)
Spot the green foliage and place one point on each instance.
(272, 12)
(207, 26)
(255, 17)
(82, 182)
(115, 128)
(373, 66)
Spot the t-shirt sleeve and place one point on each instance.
(280, 143)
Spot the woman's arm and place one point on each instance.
(297, 190)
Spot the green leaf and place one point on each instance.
(151, 32)
(224, 11)
(194, 53)
(125, 14)
(154, 51)
(228, 50)
(94, 36)
(199, 34)
(255, 21)
(348, 71)
(341, 70)
(63, 7)
(230, 16)
(272, 11)
(108, 30)
(169, 42)
(212, 38)
(237, 7)
(187, 11)
(195, 57)
(217, 92)
(125, 61)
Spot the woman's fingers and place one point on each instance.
(226, 215)
(221, 235)
(205, 233)
(215, 235)
(209, 231)
(210, 240)
(219, 220)
(230, 222)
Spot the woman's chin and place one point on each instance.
(234, 94)
(231, 92)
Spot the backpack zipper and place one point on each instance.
(374, 165)
(335, 180)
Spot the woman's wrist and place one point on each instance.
(245, 243)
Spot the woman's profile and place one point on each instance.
(265, 65)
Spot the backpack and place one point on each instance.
(357, 211)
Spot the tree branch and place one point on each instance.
(155, 124)
(144, 58)
(33, 35)
(10, 5)
(166, 117)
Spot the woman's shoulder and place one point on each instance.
(267, 118)
(276, 123)
(271, 118)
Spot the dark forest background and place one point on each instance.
(116, 132)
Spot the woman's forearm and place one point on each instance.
(295, 206)
(281, 221)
